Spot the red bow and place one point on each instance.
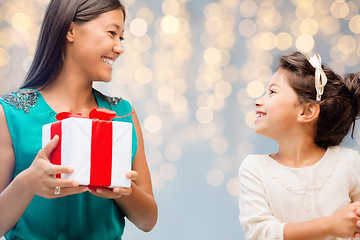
(96, 113)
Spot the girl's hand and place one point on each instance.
(41, 180)
(116, 192)
(345, 222)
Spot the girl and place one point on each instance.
(309, 188)
(78, 43)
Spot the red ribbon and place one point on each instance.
(96, 113)
(101, 144)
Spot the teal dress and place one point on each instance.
(79, 216)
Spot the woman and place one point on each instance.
(78, 43)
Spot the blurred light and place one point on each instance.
(269, 17)
(213, 10)
(304, 10)
(170, 24)
(212, 56)
(168, 171)
(230, 3)
(267, 41)
(138, 27)
(21, 21)
(346, 44)
(214, 26)
(329, 25)
(339, 9)
(4, 57)
(222, 89)
(354, 24)
(226, 41)
(248, 8)
(207, 130)
(152, 123)
(284, 41)
(179, 104)
(337, 67)
(305, 43)
(337, 55)
(146, 14)
(250, 119)
(204, 115)
(165, 94)
(173, 152)
(5, 40)
(255, 89)
(215, 177)
(309, 26)
(247, 28)
(243, 98)
(143, 75)
(233, 187)
(219, 144)
(170, 7)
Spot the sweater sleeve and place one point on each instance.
(256, 216)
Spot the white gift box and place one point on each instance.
(99, 151)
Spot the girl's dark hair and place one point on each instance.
(340, 102)
(59, 15)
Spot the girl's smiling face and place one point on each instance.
(95, 45)
(278, 109)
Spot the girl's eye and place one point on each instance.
(271, 92)
(112, 33)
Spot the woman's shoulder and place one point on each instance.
(22, 99)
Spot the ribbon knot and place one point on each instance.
(320, 76)
(96, 113)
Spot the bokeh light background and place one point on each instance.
(192, 69)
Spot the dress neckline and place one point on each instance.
(327, 152)
(52, 111)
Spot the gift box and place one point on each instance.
(99, 150)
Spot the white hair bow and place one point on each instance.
(320, 76)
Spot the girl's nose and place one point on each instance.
(258, 102)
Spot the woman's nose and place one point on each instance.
(118, 48)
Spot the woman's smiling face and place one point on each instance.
(95, 45)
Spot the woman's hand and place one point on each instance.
(40, 176)
(116, 192)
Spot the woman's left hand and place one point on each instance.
(116, 192)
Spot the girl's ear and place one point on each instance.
(309, 113)
(71, 32)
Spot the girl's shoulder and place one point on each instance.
(254, 161)
(344, 153)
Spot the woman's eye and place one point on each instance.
(112, 33)
(271, 91)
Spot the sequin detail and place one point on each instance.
(113, 100)
(21, 99)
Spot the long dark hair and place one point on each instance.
(340, 102)
(59, 15)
